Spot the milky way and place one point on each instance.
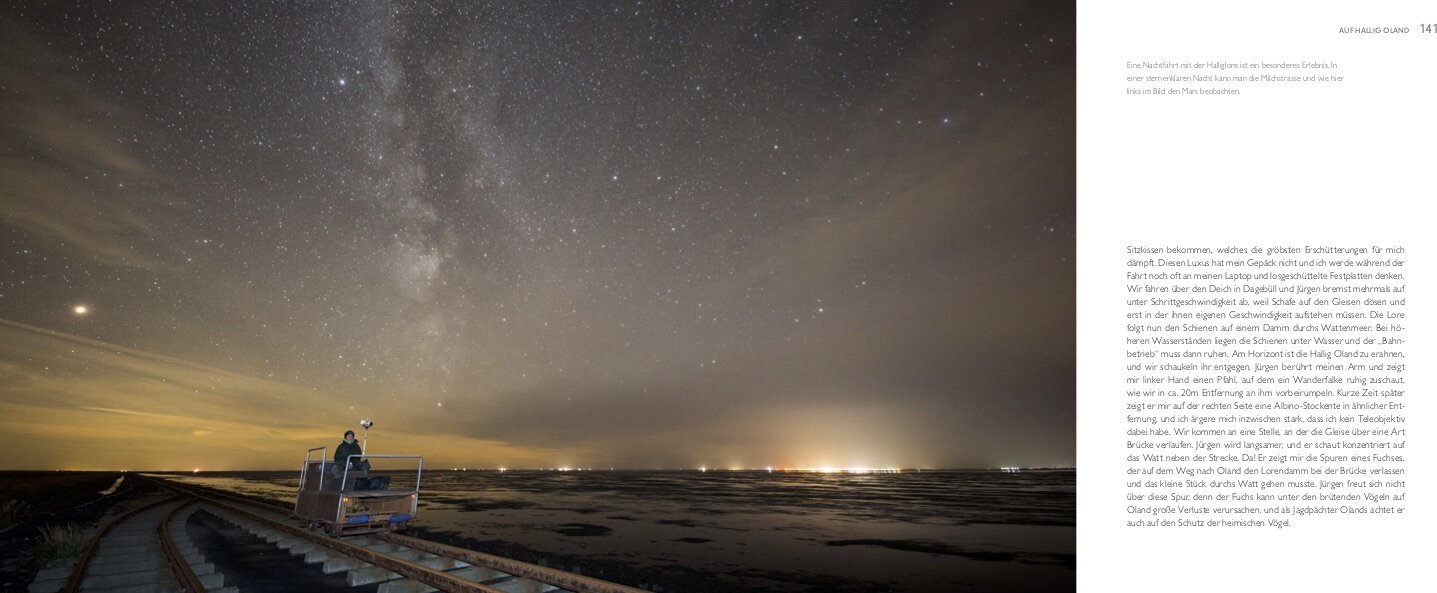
(594, 234)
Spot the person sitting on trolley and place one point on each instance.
(347, 448)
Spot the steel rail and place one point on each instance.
(209, 493)
(550, 576)
(82, 566)
(183, 573)
(77, 573)
(429, 576)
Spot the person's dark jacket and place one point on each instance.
(344, 450)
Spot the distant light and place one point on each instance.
(703, 469)
(827, 469)
(197, 470)
(81, 310)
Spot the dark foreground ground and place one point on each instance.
(30, 501)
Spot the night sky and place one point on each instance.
(528, 234)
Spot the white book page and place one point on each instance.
(1255, 306)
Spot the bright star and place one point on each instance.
(81, 310)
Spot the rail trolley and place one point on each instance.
(342, 501)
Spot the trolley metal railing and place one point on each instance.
(344, 480)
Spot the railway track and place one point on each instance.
(134, 545)
(144, 549)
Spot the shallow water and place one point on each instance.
(759, 531)
(113, 487)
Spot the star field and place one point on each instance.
(618, 234)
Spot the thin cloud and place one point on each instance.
(68, 174)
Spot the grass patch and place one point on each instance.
(59, 542)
